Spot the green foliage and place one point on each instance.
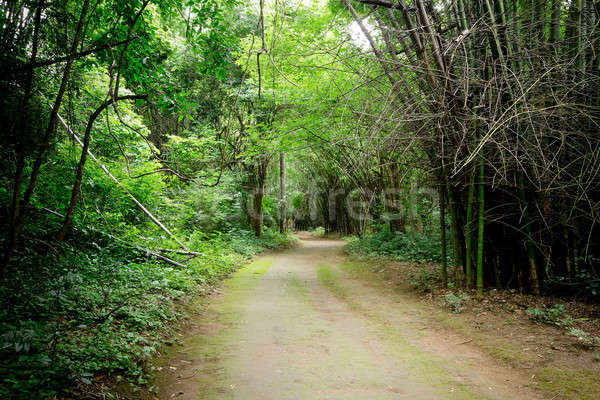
(455, 301)
(192, 208)
(244, 242)
(584, 338)
(101, 307)
(399, 246)
(423, 279)
(318, 231)
(585, 276)
(555, 315)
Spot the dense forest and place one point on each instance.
(151, 147)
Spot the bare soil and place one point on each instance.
(560, 364)
(307, 323)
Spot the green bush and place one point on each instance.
(98, 307)
(423, 279)
(555, 315)
(318, 231)
(455, 301)
(399, 246)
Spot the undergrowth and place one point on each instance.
(401, 246)
(455, 301)
(557, 316)
(93, 310)
(319, 231)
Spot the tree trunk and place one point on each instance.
(250, 187)
(282, 199)
(20, 213)
(555, 21)
(257, 213)
(84, 152)
(20, 152)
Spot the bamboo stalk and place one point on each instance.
(534, 278)
(457, 247)
(480, 232)
(443, 235)
(468, 229)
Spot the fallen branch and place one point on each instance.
(44, 243)
(380, 3)
(160, 257)
(111, 176)
(84, 152)
(465, 342)
(188, 258)
(141, 249)
(184, 252)
(49, 211)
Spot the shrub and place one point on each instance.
(555, 315)
(318, 231)
(99, 307)
(399, 246)
(455, 301)
(584, 338)
(423, 279)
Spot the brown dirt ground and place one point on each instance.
(313, 325)
(560, 364)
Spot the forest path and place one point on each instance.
(307, 324)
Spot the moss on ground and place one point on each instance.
(579, 384)
(425, 367)
(210, 350)
(559, 381)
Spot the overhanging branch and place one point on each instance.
(81, 54)
(381, 3)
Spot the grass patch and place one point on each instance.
(330, 280)
(255, 269)
(297, 286)
(569, 384)
(241, 282)
(358, 269)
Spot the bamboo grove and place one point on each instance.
(502, 99)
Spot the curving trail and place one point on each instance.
(306, 324)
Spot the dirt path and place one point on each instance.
(305, 324)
